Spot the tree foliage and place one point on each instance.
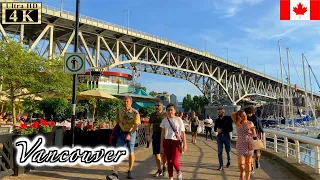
(153, 93)
(147, 111)
(58, 108)
(187, 103)
(196, 104)
(138, 86)
(108, 109)
(25, 73)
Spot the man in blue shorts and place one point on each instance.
(155, 120)
(128, 119)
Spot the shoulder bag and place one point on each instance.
(180, 148)
(256, 144)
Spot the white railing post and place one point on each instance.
(264, 140)
(316, 159)
(286, 148)
(275, 143)
(297, 150)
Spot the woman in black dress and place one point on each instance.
(194, 123)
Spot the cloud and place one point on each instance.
(269, 27)
(232, 7)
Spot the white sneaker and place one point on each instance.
(179, 175)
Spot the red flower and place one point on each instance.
(52, 123)
(23, 126)
(43, 122)
(89, 126)
(78, 125)
(35, 124)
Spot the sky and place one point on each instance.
(249, 30)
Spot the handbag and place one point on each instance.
(180, 147)
(256, 144)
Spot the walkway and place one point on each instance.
(200, 162)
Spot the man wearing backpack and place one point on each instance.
(259, 129)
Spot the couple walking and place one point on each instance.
(248, 127)
(168, 132)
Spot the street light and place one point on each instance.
(167, 26)
(127, 19)
(205, 43)
(247, 61)
(227, 53)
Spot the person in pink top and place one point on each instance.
(246, 132)
(170, 140)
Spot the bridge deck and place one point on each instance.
(200, 162)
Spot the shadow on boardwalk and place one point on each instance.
(199, 162)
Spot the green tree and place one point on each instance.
(196, 104)
(26, 73)
(153, 93)
(138, 86)
(147, 111)
(107, 109)
(59, 108)
(317, 107)
(187, 103)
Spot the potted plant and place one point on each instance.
(36, 128)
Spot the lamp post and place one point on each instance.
(247, 61)
(167, 26)
(227, 53)
(127, 19)
(74, 87)
(205, 44)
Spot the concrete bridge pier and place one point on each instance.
(212, 110)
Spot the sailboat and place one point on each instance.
(297, 123)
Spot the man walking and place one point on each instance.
(223, 125)
(128, 119)
(259, 129)
(208, 126)
(155, 120)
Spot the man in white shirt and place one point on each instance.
(208, 124)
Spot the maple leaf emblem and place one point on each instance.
(300, 10)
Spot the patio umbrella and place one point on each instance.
(97, 94)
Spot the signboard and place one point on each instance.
(21, 13)
(74, 63)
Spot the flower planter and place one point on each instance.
(18, 170)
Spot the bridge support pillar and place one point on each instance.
(212, 110)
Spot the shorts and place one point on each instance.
(156, 141)
(121, 142)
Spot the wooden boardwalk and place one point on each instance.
(199, 162)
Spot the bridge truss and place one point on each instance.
(109, 46)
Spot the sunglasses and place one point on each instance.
(157, 105)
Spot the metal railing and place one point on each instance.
(303, 149)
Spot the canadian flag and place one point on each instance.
(299, 9)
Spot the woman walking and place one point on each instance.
(194, 123)
(172, 136)
(246, 132)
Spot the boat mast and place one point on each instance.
(305, 84)
(310, 80)
(289, 90)
(283, 93)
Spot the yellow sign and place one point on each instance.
(21, 13)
